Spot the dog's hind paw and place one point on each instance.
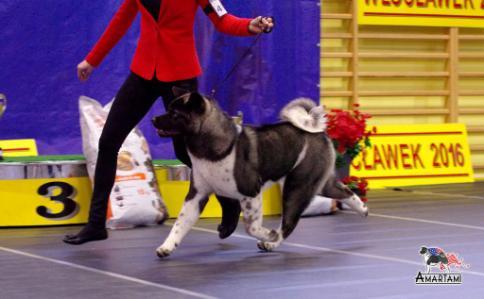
(356, 204)
(162, 252)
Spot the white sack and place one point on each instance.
(135, 199)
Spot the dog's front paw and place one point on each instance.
(163, 252)
(266, 246)
(224, 231)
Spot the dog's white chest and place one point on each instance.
(218, 175)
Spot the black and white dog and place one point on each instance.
(435, 257)
(236, 162)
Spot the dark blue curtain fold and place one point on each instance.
(42, 42)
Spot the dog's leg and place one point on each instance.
(252, 211)
(298, 188)
(337, 190)
(230, 216)
(446, 268)
(296, 197)
(192, 208)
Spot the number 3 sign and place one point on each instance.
(66, 192)
(37, 202)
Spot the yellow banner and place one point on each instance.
(18, 147)
(416, 155)
(441, 13)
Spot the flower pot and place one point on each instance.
(344, 170)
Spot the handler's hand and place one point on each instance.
(84, 70)
(261, 24)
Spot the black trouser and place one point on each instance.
(133, 101)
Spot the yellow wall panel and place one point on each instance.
(401, 84)
(403, 102)
(389, 120)
(457, 76)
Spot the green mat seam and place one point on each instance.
(33, 159)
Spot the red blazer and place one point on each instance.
(166, 44)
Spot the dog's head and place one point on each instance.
(184, 115)
(423, 250)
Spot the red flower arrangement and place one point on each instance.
(347, 130)
(357, 185)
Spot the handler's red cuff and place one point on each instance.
(93, 60)
(248, 29)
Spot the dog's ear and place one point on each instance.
(178, 92)
(196, 102)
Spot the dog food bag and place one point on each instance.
(135, 199)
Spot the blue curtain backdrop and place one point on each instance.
(43, 41)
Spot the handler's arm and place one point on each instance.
(118, 26)
(228, 23)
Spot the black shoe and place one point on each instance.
(87, 234)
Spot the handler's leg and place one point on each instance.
(134, 99)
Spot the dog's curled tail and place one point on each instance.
(304, 114)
